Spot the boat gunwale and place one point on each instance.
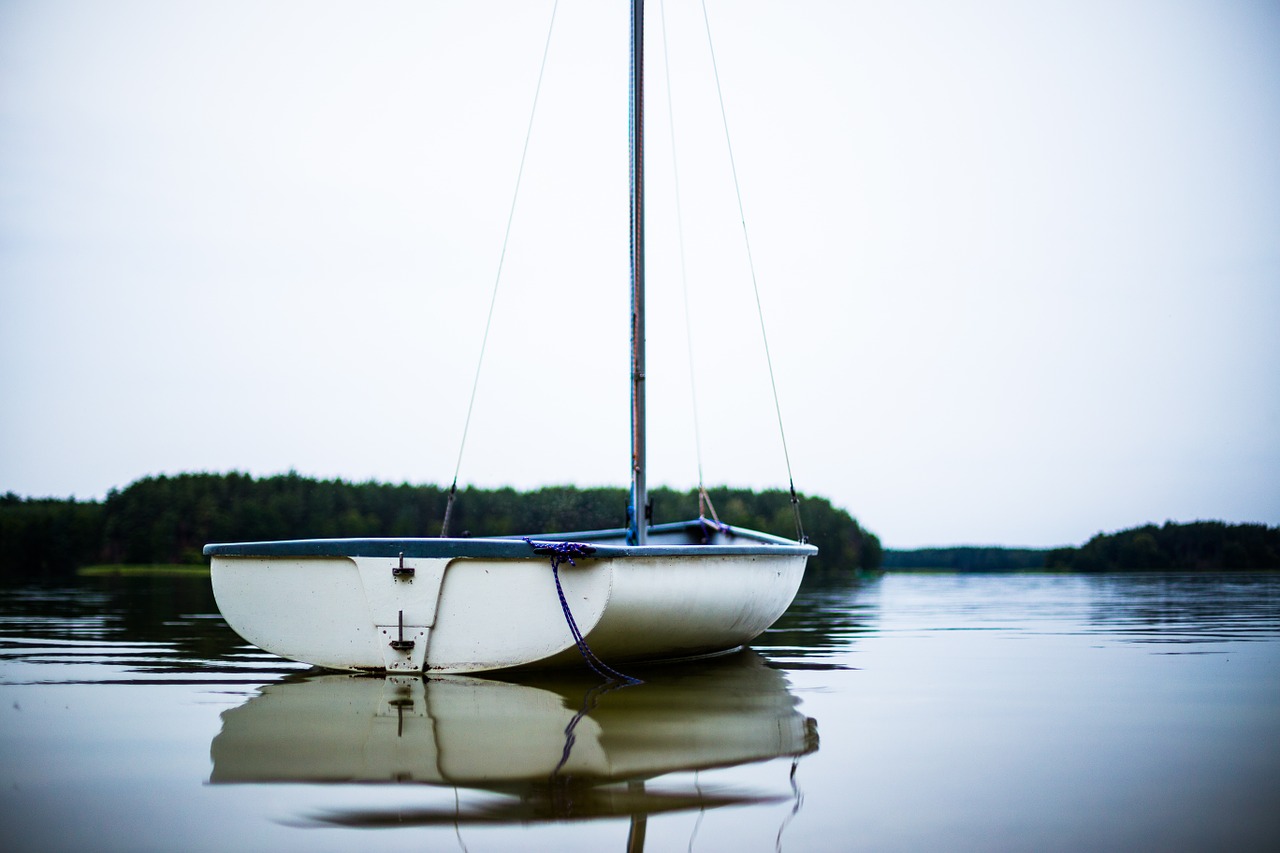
(759, 544)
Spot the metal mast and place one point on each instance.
(637, 511)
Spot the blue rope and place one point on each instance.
(564, 552)
(589, 702)
(709, 525)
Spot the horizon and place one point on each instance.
(443, 488)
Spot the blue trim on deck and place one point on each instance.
(753, 542)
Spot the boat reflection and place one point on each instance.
(554, 747)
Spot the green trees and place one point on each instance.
(1199, 546)
(170, 519)
(967, 559)
(42, 538)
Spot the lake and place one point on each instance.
(911, 711)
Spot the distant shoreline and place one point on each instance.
(165, 521)
(1198, 546)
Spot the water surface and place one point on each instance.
(908, 712)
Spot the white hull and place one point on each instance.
(472, 611)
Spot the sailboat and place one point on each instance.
(464, 605)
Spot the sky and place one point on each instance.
(1019, 263)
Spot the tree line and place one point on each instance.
(967, 559)
(169, 519)
(1198, 546)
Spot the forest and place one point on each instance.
(1198, 546)
(1201, 546)
(966, 559)
(169, 519)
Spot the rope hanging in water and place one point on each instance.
(564, 552)
(589, 702)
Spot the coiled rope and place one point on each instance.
(564, 552)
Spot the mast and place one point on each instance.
(637, 533)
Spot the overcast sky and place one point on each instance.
(1019, 262)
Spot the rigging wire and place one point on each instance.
(704, 500)
(502, 256)
(764, 336)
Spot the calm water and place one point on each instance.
(910, 712)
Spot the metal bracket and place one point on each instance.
(402, 645)
(402, 571)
